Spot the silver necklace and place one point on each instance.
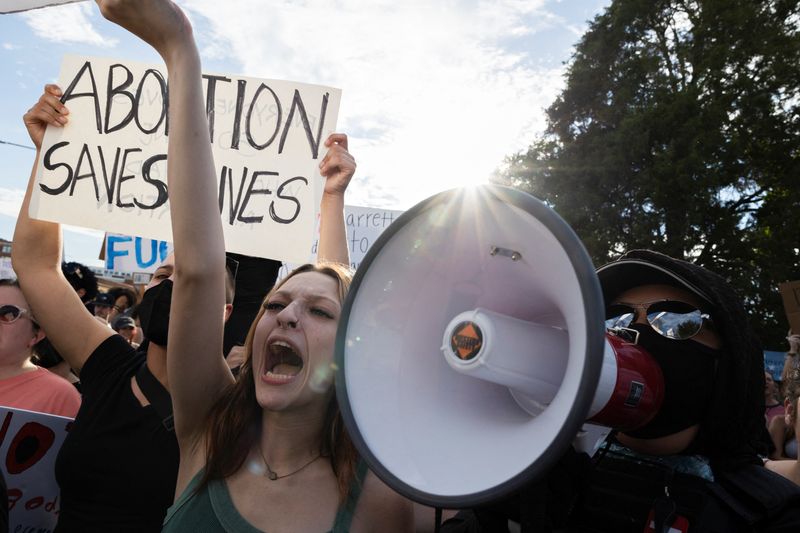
(273, 476)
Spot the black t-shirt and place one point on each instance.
(118, 466)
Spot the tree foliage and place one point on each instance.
(678, 131)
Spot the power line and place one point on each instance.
(17, 145)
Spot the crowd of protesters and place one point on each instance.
(167, 434)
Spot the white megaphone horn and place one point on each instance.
(472, 349)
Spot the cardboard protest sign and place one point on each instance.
(790, 292)
(29, 444)
(364, 225)
(107, 168)
(14, 6)
(124, 253)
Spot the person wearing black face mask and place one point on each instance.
(695, 466)
(683, 343)
(154, 312)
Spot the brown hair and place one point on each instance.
(234, 423)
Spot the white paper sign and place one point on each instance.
(364, 226)
(124, 253)
(29, 444)
(107, 168)
(13, 6)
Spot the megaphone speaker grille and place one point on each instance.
(432, 433)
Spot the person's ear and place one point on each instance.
(228, 311)
(38, 335)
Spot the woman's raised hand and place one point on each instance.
(48, 110)
(160, 23)
(338, 166)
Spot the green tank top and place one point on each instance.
(211, 510)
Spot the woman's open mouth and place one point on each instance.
(283, 363)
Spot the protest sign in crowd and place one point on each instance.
(207, 401)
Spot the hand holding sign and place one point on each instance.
(48, 111)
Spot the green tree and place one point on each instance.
(678, 131)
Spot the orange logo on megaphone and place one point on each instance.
(466, 340)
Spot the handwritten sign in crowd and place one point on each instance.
(129, 254)
(139, 255)
(107, 168)
(29, 444)
(364, 225)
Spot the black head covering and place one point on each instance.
(729, 433)
(81, 277)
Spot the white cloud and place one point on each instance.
(10, 46)
(10, 201)
(433, 95)
(66, 24)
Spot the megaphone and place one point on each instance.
(472, 349)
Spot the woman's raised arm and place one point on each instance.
(338, 167)
(195, 368)
(36, 257)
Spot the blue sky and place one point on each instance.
(435, 93)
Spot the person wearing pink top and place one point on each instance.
(24, 385)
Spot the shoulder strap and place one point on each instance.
(345, 514)
(157, 395)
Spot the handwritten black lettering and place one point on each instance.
(49, 165)
(85, 155)
(161, 187)
(251, 191)
(109, 180)
(124, 177)
(162, 86)
(69, 93)
(241, 85)
(211, 91)
(273, 215)
(297, 103)
(233, 209)
(248, 119)
(113, 91)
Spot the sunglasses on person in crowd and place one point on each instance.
(10, 313)
(670, 318)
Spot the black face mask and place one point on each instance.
(154, 312)
(689, 369)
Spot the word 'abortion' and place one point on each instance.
(246, 115)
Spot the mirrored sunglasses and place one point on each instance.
(669, 318)
(10, 313)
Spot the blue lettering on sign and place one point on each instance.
(146, 252)
(162, 249)
(112, 251)
(139, 259)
